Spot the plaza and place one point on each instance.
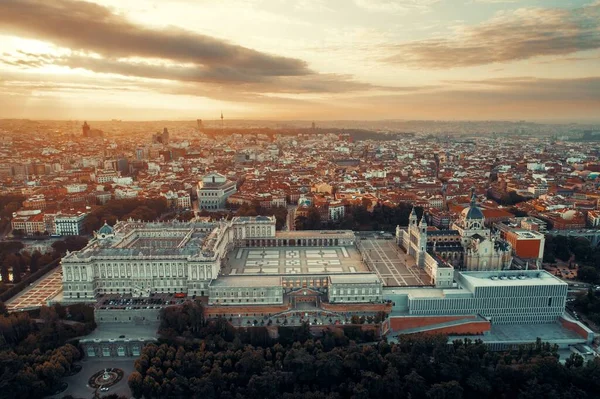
(292, 261)
(394, 267)
(38, 294)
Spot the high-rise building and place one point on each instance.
(89, 132)
(161, 138)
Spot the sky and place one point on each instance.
(537, 60)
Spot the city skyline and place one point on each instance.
(325, 60)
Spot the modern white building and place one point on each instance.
(503, 297)
(213, 190)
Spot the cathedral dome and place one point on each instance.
(472, 212)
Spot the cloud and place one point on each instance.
(495, 1)
(93, 28)
(102, 41)
(209, 79)
(395, 6)
(509, 36)
(536, 89)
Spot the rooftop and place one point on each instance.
(525, 333)
(316, 234)
(358, 278)
(246, 281)
(509, 277)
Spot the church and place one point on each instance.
(469, 245)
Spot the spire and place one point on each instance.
(473, 197)
(423, 221)
(412, 218)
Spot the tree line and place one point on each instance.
(186, 323)
(358, 218)
(146, 209)
(416, 367)
(574, 249)
(19, 263)
(8, 204)
(34, 352)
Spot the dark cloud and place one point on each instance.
(536, 89)
(309, 83)
(92, 28)
(509, 36)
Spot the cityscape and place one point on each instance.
(300, 199)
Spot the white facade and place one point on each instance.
(246, 290)
(506, 297)
(440, 272)
(355, 288)
(337, 211)
(213, 191)
(69, 225)
(478, 248)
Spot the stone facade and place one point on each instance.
(137, 258)
(244, 290)
(213, 191)
(468, 246)
(355, 288)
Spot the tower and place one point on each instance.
(200, 125)
(412, 218)
(85, 129)
(165, 136)
(222, 123)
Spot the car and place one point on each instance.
(121, 336)
(104, 389)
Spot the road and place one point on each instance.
(289, 221)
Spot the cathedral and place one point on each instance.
(469, 245)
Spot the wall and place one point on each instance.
(135, 316)
(408, 322)
(252, 310)
(577, 328)
(471, 328)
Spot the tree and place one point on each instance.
(313, 220)
(135, 382)
(34, 262)
(588, 274)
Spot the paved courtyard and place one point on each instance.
(39, 292)
(78, 383)
(392, 265)
(293, 260)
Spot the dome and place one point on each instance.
(472, 212)
(105, 230)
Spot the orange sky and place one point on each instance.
(303, 59)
